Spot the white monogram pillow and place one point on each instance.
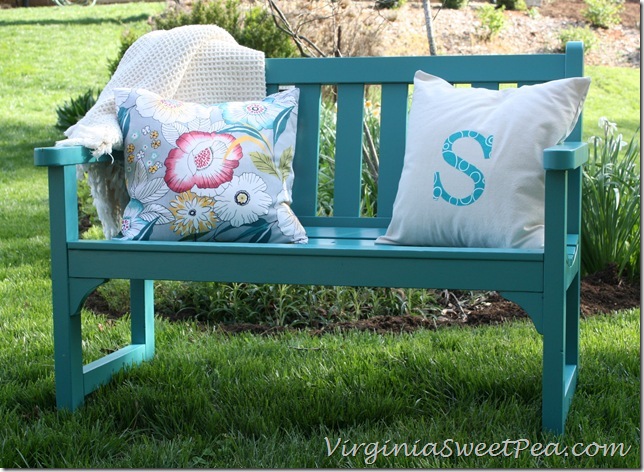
(473, 173)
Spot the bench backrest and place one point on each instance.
(349, 77)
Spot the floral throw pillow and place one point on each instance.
(209, 173)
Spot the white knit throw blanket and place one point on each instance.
(196, 63)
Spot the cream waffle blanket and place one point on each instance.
(196, 63)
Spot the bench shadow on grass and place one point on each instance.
(342, 394)
(76, 21)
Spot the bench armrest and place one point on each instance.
(67, 156)
(565, 156)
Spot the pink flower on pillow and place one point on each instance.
(206, 160)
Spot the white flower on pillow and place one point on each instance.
(167, 110)
(132, 224)
(193, 213)
(285, 99)
(206, 160)
(260, 115)
(288, 223)
(242, 200)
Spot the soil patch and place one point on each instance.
(457, 32)
(572, 10)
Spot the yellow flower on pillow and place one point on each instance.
(193, 213)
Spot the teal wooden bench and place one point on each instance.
(341, 249)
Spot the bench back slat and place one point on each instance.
(307, 145)
(393, 133)
(574, 67)
(348, 150)
(350, 76)
(486, 85)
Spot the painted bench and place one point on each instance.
(341, 249)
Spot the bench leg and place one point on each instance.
(142, 312)
(68, 356)
(141, 348)
(560, 356)
(67, 294)
(68, 298)
(73, 379)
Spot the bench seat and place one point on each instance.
(328, 261)
(329, 249)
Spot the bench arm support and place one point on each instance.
(69, 156)
(563, 166)
(565, 156)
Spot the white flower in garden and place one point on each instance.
(608, 126)
(242, 200)
(620, 142)
(596, 140)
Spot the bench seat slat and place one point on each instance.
(328, 262)
(346, 245)
(334, 232)
(344, 222)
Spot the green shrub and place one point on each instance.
(389, 4)
(533, 13)
(454, 4)
(512, 4)
(603, 13)
(73, 110)
(254, 29)
(259, 32)
(572, 33)
(611, 203)
(127, 39)
(226, 15)
(492, 21)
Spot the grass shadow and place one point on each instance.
(76, 21)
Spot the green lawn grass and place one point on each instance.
(208, 399)
(614, 94)
(214, 400)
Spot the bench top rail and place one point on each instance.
(456, 69)
(349, 78)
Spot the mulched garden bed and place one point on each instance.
(601, 293)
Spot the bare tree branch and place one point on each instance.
(285, 26)
(429, 26)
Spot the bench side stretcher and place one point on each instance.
(341, 246)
